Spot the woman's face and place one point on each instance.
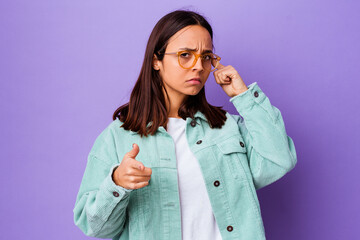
(175, 78)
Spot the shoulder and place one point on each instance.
(114, 129)
(233, 119)
(110, 130)
(111, 137)
(229, 128)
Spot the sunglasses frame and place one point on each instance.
(196, 58)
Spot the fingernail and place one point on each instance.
(133, 145)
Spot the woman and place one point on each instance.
(172, 166)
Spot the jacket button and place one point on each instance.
(116, 194)
(256, 94)
(216, 183)
(193, 123)
(229, 228)
(199, 142)
(242, 144)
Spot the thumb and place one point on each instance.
(134, 151)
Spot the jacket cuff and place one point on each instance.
(111, 189)
(249, 98)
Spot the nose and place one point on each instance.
(198, 64)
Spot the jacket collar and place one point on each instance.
(198, 114)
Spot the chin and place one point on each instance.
(193, 93)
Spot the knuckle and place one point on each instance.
(128, 171)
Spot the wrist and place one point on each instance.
(240, 91)
(113, 176)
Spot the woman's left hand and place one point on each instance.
(229, 79)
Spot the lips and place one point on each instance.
(195, 79)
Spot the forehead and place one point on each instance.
(193, 36)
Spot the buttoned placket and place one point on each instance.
(194, 133)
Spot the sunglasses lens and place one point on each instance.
(187, 60)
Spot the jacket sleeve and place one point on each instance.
(100, 207)
(270, 151)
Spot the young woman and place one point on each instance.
(172, 166)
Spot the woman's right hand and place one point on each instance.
(132, 174)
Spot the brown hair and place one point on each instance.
(147, 101)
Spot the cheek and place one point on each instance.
(173, 75)
(207, 76)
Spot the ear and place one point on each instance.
(155, 63)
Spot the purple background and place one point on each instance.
(65, 66)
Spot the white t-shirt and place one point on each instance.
(197, 218)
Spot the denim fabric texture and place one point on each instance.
(251, 151)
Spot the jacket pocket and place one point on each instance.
(138, 212)
(234, 154)
(139, 203)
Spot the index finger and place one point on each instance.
(145, 173)
(141, 170)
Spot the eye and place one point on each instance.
(207, 57)
(185, 55)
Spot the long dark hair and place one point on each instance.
(147, 101)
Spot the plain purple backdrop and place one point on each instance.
(65, 66)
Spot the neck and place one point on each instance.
(176, 99)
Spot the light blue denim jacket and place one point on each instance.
(250, 151)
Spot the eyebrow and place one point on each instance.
(190, 49)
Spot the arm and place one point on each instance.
(271, 153)
(100, 207)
